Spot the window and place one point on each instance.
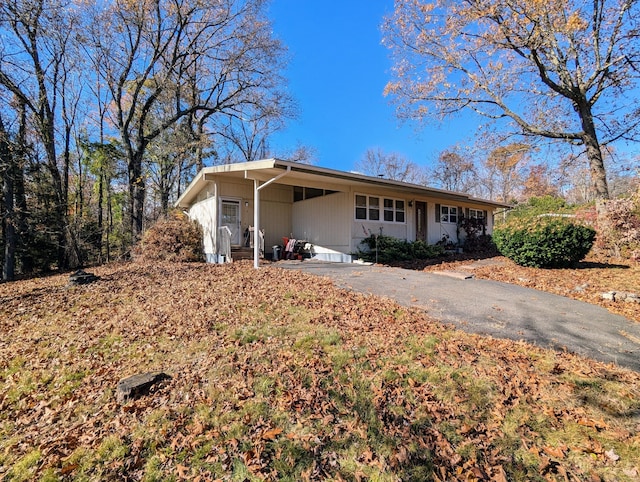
(479, 215)
(448, 214)
(311, 192)
(374, 208)
(399, 211)
(361, 207)
(369, 208)
(389, 213)
(302, 193)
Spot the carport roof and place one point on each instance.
(305, 174)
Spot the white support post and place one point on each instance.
(256, 214)
(256, 223)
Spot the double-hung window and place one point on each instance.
(479, 215)
(448, 214)
(376, 208)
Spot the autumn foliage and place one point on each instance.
(619, 227)
(173, 238)
(278, 375)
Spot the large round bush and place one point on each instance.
(173, 238)
(544, 242)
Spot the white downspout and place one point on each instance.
(256, 214)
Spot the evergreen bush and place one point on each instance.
(544, 241)
(173, 238)
(390, 249)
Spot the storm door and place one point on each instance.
(230, 217)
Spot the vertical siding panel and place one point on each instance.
(324, 221)
(205, 213)
(275, 214)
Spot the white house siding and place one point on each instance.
(435, 230)
(324, 221)
(275, 214)
(327, 222)
(361, 229)
(205, 213)
(275, 207)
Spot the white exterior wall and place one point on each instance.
(275, 207)
(205, 213)
(361, 229)
(327, 222)
(275, 214)
(324, 221)
(435, 230)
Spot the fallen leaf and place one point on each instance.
(271, 434)
(556, 452)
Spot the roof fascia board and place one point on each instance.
(252, 170)
(387, 183)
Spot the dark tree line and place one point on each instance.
(108, 108)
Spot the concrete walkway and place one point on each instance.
(492, 308)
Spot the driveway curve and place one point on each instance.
(493, 308)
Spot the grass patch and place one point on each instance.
(273, 383)
(25, 467)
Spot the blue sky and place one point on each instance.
(337, 72)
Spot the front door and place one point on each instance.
(421, 221)
(230, 217)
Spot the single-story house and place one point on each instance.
(329, 211)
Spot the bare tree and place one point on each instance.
(209, 57)
(249, 133)
(390, 166)
(455, 171)
(504, 170)
(7, 211)
(167, 157)
(539, 182)
(557, 70)
(34, 65)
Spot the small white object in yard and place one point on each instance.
(632, 298)
(621, 296)
(611, 455)
(630, 472)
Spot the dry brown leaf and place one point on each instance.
(271, 434)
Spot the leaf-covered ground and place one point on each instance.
(587, 282)
(277, 375)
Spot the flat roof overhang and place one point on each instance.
(313, 176)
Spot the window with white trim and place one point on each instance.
(476, 214)
(375, 208)
(448, 214)
(361, 207)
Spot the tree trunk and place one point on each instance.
(25, 256)
(164, 201)
(100, 215)
(594, 152)
(7, 162)
(137, 194)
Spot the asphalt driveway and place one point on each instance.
(492, 308)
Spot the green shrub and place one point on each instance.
(537, 206)
(544, 241)
(482, 244)
(390, 249)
